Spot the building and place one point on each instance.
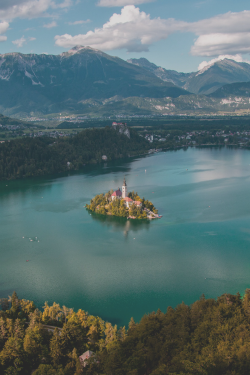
(138, 203)
(124, 189)
(116, 194)
(85, 356)
(128, 201)
(104, 157)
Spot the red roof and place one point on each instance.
(127, 199)
(117, 193)
(138, 203)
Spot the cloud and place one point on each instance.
(3, 27)
(227, 33)
(12, 9)
(121, 3)
(50, 25)
(237, 58)
(132, 29)
(79, 22)
(220, 43)
(20, 42)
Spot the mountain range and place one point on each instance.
(90, 82)
(67, 82)
(206, 80)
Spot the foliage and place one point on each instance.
(39, 156)
(210, 337)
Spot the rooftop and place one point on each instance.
(127, 199)
(117, 193)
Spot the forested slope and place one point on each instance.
(211, 337)
(42, 156)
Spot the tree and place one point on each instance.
(49, 370)
(65, 312)
(131, 324)
(14, 304)
(56, 347)
(12, 354)
(111, 335)
(4, 304)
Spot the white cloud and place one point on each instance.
(3, 27)
(20, 42)
(79, 22)
(226, 34)
(132, 29)
(11, 9)
(50, 25)
(220, 43)
(237, 58)
(3, 38)
(121, 3)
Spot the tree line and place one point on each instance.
(210, 337)
(29, 157)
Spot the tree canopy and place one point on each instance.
(210, 337)
(28, 157)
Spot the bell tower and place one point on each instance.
(124, 189)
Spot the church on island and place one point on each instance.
(123, 204)
(118, 194)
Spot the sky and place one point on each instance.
(183, 35)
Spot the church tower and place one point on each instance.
(124, 189)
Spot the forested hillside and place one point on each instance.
(41, 156)
(211, 337)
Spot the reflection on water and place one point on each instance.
(121, 223)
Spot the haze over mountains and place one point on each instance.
(87, 81)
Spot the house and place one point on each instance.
(116, 194)
(104, 157)
(138, 203)
(128, 201)
(85, 356)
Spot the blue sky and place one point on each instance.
(181, 35)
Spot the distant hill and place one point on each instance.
(42, 84)
(204, 81)
(240, 89)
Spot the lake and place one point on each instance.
(117, 268)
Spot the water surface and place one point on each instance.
(117, 268)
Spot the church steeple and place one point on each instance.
(124, 189)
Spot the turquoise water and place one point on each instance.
(117, 268)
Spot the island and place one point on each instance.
(123, 204)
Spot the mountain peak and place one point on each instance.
(143, 63)
(79, 49)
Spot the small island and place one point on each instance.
(123, 204)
